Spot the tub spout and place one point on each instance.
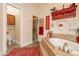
(64, 46)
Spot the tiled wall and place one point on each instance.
(65, 36)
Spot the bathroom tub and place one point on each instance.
(59, 43)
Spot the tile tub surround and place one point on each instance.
(66, 36)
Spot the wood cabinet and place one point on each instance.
(10, 19)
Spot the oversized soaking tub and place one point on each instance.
(72, 47)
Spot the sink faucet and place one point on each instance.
(65, 44)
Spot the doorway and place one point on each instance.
(10, 31)
(13, 27)
(35, 29)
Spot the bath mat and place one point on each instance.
(25, 51)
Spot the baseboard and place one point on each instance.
(39, 39)
(17, 42)
(1, 53)
(23, 45)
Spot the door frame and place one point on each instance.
(5, 25)
(33, 28)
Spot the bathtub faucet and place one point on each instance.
(64, 46)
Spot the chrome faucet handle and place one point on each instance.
(68, 51)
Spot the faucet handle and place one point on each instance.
(69, 51)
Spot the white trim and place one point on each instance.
(21, 21)
(4, 28)
(17, 42)
(14, 5)
(21, 28)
